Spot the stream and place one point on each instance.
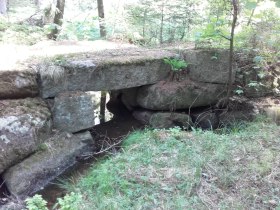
(109, 132)
(104, 134)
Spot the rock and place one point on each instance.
(143, 116)
(104, 71)
(179, 95)
(18, 84)
(128, 97)
(74, 111)
(205, 120)
(209, 66)
(54, 157)
(170, 119)
(24, 124)
(13, 206)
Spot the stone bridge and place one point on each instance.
(127, 68)
(44, 102)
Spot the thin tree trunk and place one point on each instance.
(233, 25)
(102, 106)
(144, 24)
(101, 16)
(58, 17)
(161, 24)
(3, 7)
(251, 16)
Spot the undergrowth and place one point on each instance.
(173, 169)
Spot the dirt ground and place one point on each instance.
(15, 57)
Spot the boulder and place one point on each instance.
(179, 95)
(170, 119)
(18, 84)
(52, 158)
(210, 66)
(205, 120)
(128, 97)
(74, 111)
(24, 124)
(13, 206)
(143, 116)
(102, 71)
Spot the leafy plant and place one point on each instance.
(176, 64)
(69, 202)
(36, 203)
(239, 91)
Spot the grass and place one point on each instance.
(172, 169)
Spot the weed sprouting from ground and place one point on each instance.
(172, 169)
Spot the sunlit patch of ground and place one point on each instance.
(14, 57)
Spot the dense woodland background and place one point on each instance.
(146, 22)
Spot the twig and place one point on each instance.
(2, 183)
(107, 148)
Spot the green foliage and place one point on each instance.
(176, 64)
(162, 21)
(76, 30)
(36, 203)
(20, 33)
(239, 91)
(70, 201)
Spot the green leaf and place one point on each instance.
(239, 91)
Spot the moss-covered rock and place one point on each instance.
(54, 157)
(24, 124)
(75, 111)
(179, 95)
(170, 119)
(18, 84)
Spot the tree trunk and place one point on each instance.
(101, 16)
(161, 24)
(58, 18)
(102, 107)
(3, 7)
(144, 24)
(235, 4)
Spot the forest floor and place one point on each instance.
(16, 57)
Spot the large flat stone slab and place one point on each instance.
(18, 84)
(75, 111)
(24, 124)
(209, 66)
(179, 95)
(109, 70)
(53, 158)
